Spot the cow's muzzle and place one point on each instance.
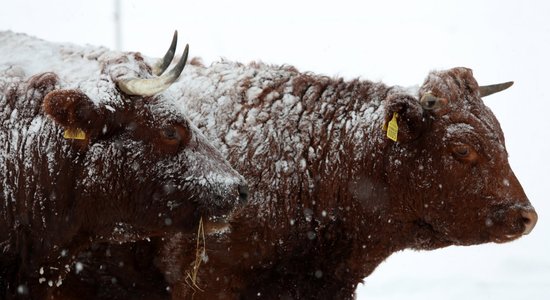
(529, 218)
(514, 222)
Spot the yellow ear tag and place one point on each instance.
(74, 134)
(393, 128)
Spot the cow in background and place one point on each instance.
(93, 150)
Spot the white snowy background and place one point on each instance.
(397, 42)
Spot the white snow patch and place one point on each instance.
(458, 129)
(78, 267)
(22, 289)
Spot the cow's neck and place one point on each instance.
(282, 129)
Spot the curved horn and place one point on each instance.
(152, 86)
(163, 63)
(487, 90)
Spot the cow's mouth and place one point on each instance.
(506, 238)
(522, 223)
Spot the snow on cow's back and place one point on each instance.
(73, 64)
(86, 68)
(267, 119)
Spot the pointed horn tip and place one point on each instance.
(186, 50)
(175, 36)
(163, 63)
(507, 84)
(494, 88)
(176, 71)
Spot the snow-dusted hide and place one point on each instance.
(332, 195)
(139, 168)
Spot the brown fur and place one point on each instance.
(316, 232)
(142, 171)
(417, 193)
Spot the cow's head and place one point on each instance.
(145, 164)
(450, 165)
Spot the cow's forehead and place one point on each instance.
(466, 121)
(164, 108)
(126, 66)
(456, 85)
(466, 114)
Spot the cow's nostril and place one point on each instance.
(529, 218)
(243, 193)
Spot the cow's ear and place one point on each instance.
(408, 114)
(73, 110)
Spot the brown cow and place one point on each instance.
(83, 162)
(332, 195)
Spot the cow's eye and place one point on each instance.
(174, 137)
(464, 152)
(170, 133)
